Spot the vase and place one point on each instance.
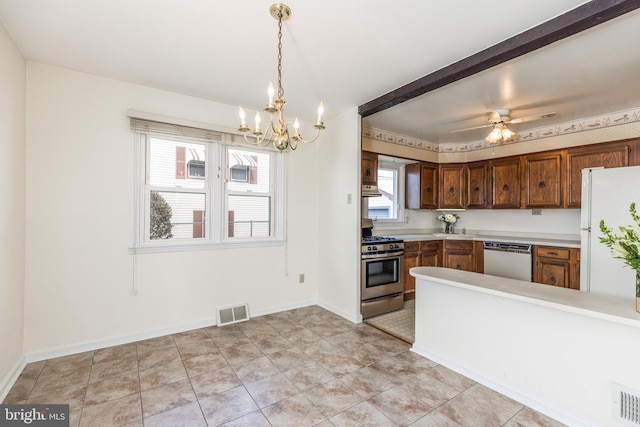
(638, 291)
(448, 228)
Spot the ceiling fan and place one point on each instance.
(498, 119)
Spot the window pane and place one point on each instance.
(176, 164)
(175, 215)
(385, 207)
(248, 171)
(249, 216)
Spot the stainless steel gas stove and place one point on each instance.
(382, 283)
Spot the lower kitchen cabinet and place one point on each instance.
(419, 254)
(458, 254)
(557, 266)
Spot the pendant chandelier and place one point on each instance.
(277, 131)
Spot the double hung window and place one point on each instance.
(194, 192)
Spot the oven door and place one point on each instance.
(382, 275)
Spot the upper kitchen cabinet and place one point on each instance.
(542, 180)
(421, 186)
(609, 155)
(452, 186)
(369, 168)
(477, 185)
(505, 183)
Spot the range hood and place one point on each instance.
(370, 191)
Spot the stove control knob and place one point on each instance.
(375, 248)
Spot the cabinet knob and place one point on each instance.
(428, 189)
(541, 184)
(459, 267)
(552, 279)
(368, 172)
(476, 189)
(452, 190)
(505, 187)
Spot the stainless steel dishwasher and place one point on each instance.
(512, 260)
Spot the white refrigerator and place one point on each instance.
(606, 194)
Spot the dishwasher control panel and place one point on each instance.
(521, 248)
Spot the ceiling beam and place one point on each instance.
(572, 22)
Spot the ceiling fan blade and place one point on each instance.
(475, 127)
(531, 118)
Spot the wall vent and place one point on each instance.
(626, 405)
(234, 314)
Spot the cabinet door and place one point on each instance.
(421, 186)
(458, 254)
(411, 259)
(505, 183)
(431, 253)
(542, 178)
(369, 168)
(428, 186)
(610, 156)
(452, 187)
(553, 272)
(477, 184)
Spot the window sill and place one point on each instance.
(205, 246)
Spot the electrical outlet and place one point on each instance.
(536, 211)
(301, 278)
(349, 199)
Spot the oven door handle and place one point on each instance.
(383, 255)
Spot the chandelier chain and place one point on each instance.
(280, 88)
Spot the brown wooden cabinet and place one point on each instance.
(477, 185)
(556, 266)
(458, 254)
(416, 254)
(505, 183)
(610, 155)
(452, 186)
(421, 186)
(369, 168)
(542, 180)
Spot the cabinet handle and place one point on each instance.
(476, 189)
(552, 253)
(542, 184)
(452, 190)
(552, 279)
(428, 189)
(505, 187)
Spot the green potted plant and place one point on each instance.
(626, 246)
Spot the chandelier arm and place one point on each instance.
(299, 137)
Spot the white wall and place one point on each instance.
(79, 272)
(552, 221)
(339, 226)
(12, 223)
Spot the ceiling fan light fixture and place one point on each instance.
(507, 133)
(495, 135)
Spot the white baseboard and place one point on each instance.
(350, 317)
(126, 339)
(12, 376)
(533, 402)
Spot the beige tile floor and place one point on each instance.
(401, 323)
(301, 367)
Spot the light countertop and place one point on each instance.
(615, 309)
(567, 241)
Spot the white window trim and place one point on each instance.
(216, 209)
(400, 220)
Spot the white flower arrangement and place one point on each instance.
(448, 218)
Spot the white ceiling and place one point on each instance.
(345, 53)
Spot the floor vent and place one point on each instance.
(235, 314)
(626, 405)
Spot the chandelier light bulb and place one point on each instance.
(243, 117)
(320, 112)
(296, 125)
(271, 91)
(258, 121)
